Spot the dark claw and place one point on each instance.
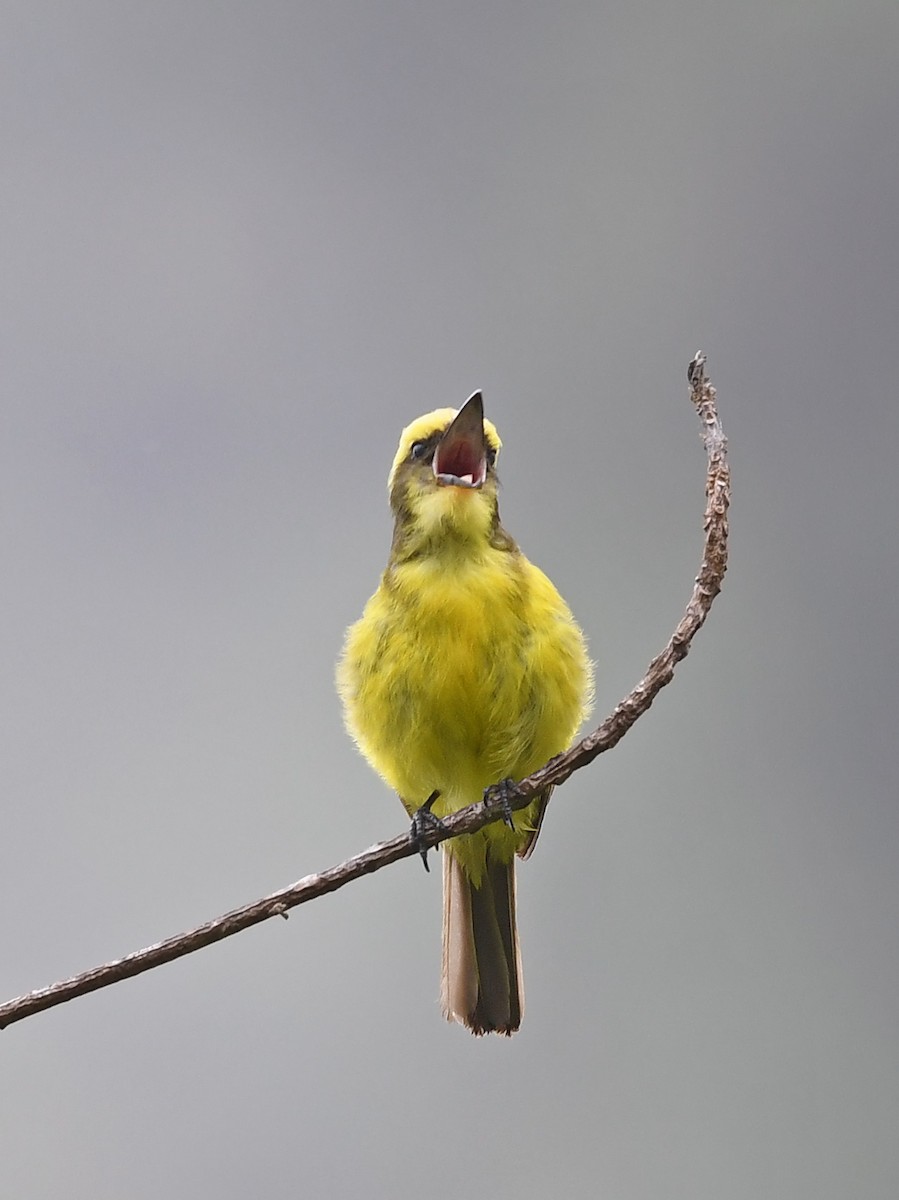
(502, 794)
(423, 823)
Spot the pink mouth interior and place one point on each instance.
(462, 460)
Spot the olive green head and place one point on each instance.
(443, 484)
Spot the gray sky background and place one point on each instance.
(241, 247)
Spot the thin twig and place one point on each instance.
(607, 735)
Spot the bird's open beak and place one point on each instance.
(461, 457)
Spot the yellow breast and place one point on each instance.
(463, 670)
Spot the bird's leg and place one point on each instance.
(503, 793)
(423, 823)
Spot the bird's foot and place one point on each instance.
(502, 793)
(424, 823)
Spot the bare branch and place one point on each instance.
(607, 735)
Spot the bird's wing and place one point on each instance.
(528, 848)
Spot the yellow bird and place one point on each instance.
(466, 669)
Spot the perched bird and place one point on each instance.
(466, 669)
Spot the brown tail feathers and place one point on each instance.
(482, 986)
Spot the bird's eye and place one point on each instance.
(491, 456)
(419, 449)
